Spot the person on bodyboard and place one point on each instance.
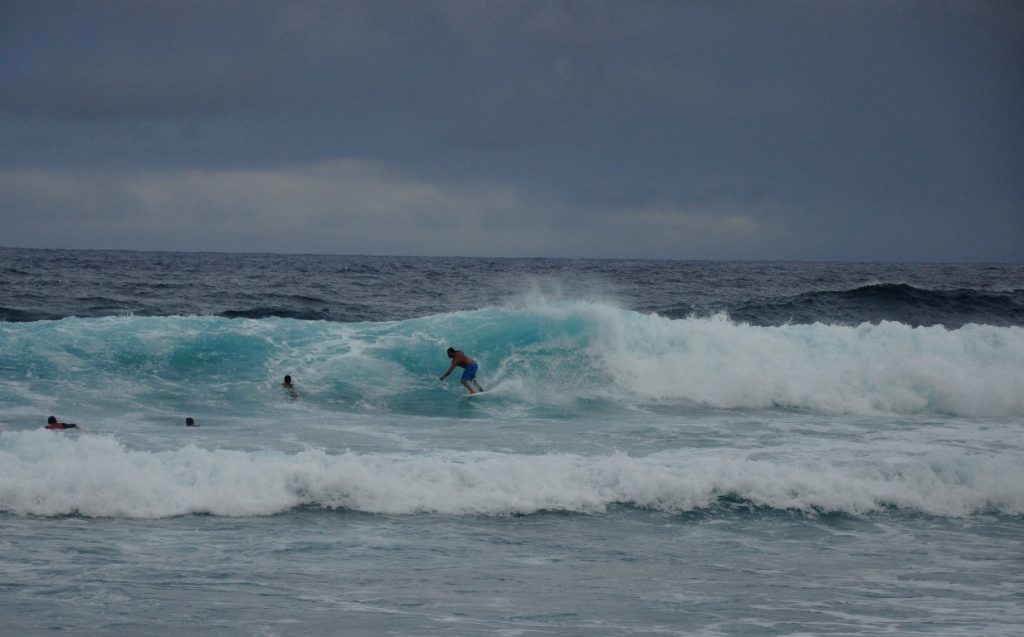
(53, 423)
(459, 359)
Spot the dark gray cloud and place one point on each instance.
(847, 130)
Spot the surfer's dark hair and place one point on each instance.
(451, 350)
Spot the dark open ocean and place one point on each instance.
(668, 447)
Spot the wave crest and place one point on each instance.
(96, 476)
(540, 354)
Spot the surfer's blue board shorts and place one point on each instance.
(470, 372)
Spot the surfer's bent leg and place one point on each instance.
(470, 375)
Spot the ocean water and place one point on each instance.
(667, 448)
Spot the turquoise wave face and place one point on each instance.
(578, 357)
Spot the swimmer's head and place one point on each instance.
(51, 421)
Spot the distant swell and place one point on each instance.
(12, 315)
(889, 302)
(278, 312)
(96, 476)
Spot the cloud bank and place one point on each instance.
(342, 206)
(865, 130)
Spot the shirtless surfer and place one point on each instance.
(459, 359)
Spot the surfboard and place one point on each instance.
(474, 395)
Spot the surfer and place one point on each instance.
(190, 422)
(459, 359)
(53, 423)
(289, 387)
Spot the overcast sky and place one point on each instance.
(820, 130)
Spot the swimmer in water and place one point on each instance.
(289, 387)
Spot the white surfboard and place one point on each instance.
(479, 393)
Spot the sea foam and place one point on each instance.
(49, 474)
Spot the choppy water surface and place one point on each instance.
(667, 447)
